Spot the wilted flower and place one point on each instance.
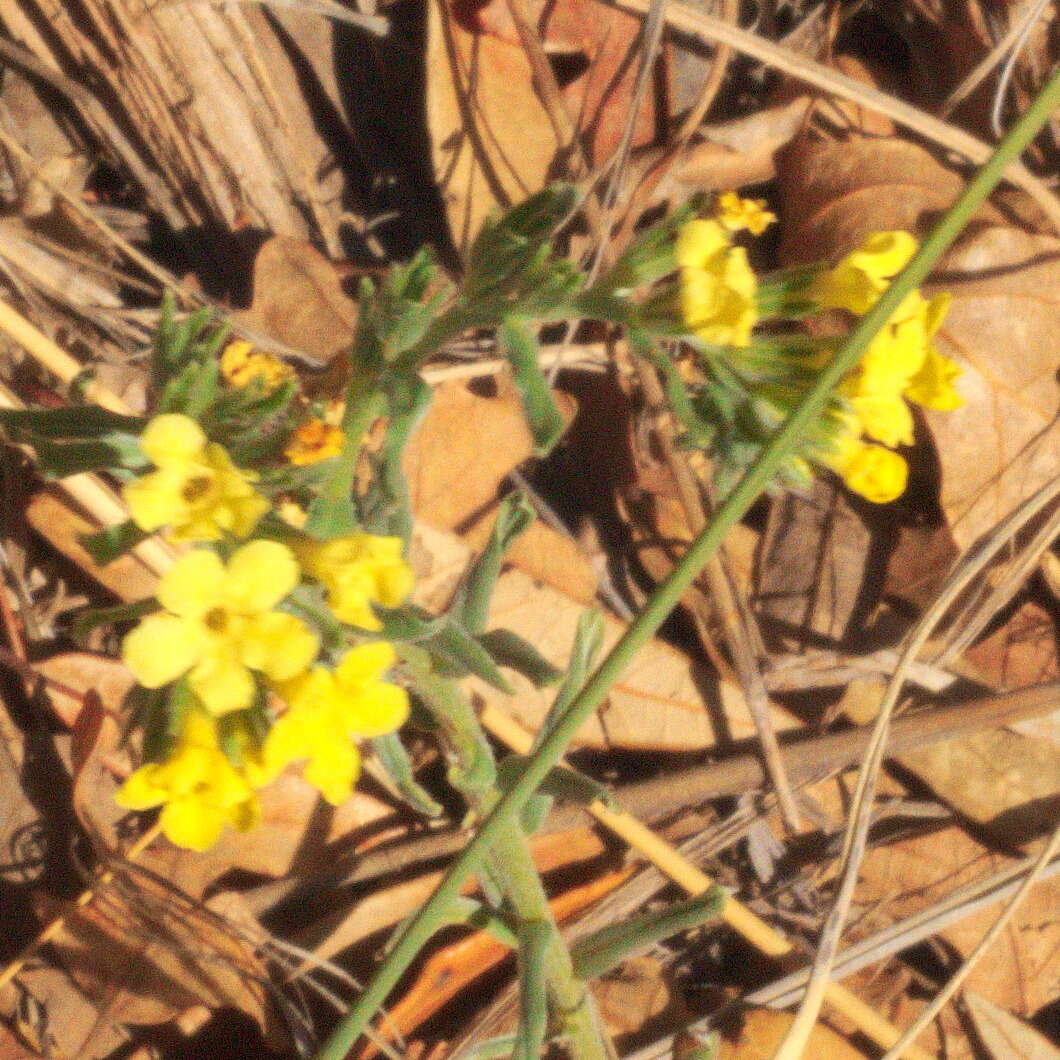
(737, 214)
(218, 626)
(240, 366)
(197, 491)
(314, 441)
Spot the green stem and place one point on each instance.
(419, 930)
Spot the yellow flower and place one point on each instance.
(717, 286)
(198, 787)
(314, 441)
(857, 282)
(218, 626)
(901, 362)
(736, 214)
(328, 711)
(240, 367)
(875, 473)
(932, 386)
(197, 491)
(358, 571)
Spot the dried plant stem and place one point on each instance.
(83, 899)
(714, 30)
(794, 1043)
(954, 982)
(723, 595)
(693, 880)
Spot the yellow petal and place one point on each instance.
(316, 688)
(222, 683)
(698, 241)
(192, 823)
(172, 440)
(877, 474)
(246, 512)
(334, 770)
(259, 576)
(161, 648)
(279, 645)
(194, 584)
(156, 499)
(933, 386)
(364, 665)
(377, 710)
(885, 418)
(140, 791)
(289, 740)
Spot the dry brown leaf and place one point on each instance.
(1002, 328)
(1005, 1037)
(812, 564)
(299, 300)
(61, 526)
(12, 1049)
(662, 701)
(145, 952)
(638, 996)
(763, 1030)
(1019, 972)
(833, 194)
(1006, 782)
(1020, 653)
(491, 138)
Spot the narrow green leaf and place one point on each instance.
(510, 650)
(535, 937)
(398, 766)
(588, 637)
(75, 421)
(106, 545)
(605, 949)
(475, 915)
(460, 654)
(89, 620)
(517, 341)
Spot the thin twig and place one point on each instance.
(1022, 20)
(936, 1004)
(695, 881)
(711, 30)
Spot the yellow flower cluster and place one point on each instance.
(240, 366)
(221, 628)
(717, 284)
(900, 365)
(196, 491)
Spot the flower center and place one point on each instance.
(216, 620)
(196, 488)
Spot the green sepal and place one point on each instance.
(106, 545)
(192, 390)
(518, 654)
(517, 342)
(471, 605)
(398, 767)
(605, 949)
(89, 620)
(164, 719)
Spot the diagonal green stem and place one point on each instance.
(419, 930)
